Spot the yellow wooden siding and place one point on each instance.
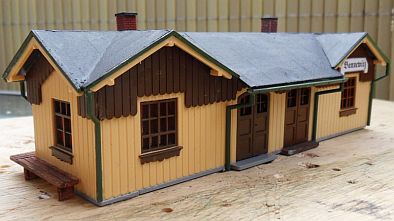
(84, 164)
(201, 133)
(276, 131)
(329, 122)
(18, 17)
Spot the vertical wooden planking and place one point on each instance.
(194, 82)
(111, 11)
(126, 99)
(2, 40)
(170, 14)
(148, 76)
(191, 15)
(176, 69)
(292, 15)
(110, 102)
(180, 10)
(257, 13)
(371, 19)
(163, 71)
(103, 16)
(280, 12)
(155, 73)
(304, 21)
(94, 18)
(330, 16)
(246, 15)
(170, 70)
(223, 15)
(201, 15)
(67, 14)
(86, 15)
(343, 21)
(212, 14)
(118, 96)
(160, 14)
(383, 40)
(76, 15)
(357, 16)
(234, 15)
(141, 9)
(317, 16)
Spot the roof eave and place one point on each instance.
(365, 39)
(42, 49)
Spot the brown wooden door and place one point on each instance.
(252, 128)
(297, 116)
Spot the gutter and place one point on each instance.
(316, 107)
(89, 96)
(372, 90)
(253, 92)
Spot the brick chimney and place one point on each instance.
(269, 24)
(126, 21)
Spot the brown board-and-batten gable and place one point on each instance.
(37, 70)
(362, 51)
(168, 70)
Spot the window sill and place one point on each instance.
(62, 154)
(347, 112)
(160, 155)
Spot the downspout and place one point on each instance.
(316, 106)
(89, 96)
(228, 128)
(372, 90)
(23, 89)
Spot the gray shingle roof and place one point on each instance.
(85, 56)
(263, 59)
(260, 59)
(338, 45)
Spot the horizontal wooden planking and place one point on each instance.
(19, 16)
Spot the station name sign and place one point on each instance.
(354, 65)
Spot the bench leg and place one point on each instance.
(65, 193)
(29, 175)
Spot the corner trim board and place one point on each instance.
(148, 189)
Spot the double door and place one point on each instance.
(297, 116)
(252, 127)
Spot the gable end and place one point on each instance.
(168, 70)
(37, 70)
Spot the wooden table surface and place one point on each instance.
(354, 181)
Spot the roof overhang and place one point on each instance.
(291, 86)
(13, 71)
(381, 58)
(217, 69)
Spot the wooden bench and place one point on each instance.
(35, 167)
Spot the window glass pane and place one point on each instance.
(145, 144)
(171, 139)
(145, 111)
(163, 124)
(145, 127)
(171, 108)
(63, 108)
(163, 140)
(67, 125)
(59, 124)
(154, 126)
(154, 142)
(171, 123)
(59, 138)
(68, 141)
(156, 121)
(57, 107)
(153, 110)
(163, 109)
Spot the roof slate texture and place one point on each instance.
(85, 56)
(260, 59)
